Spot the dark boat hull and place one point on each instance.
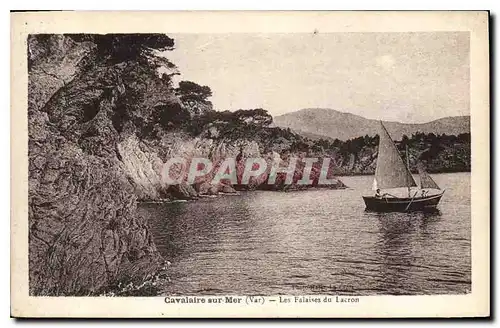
(392, 204)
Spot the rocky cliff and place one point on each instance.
(84, 233)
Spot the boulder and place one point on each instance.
(227, 189)
(182, 191)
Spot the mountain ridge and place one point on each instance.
(335, 124)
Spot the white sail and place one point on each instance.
(391, 171)
(426, 182)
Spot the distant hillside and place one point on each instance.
(344, 126)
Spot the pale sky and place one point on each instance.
(406, 77)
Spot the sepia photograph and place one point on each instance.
(253, 168)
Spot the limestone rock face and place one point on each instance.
(84, 233)
(143, 168)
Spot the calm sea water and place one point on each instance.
(315, 242)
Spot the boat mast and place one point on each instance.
(408, 166)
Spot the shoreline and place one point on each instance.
(365, 174)
(238, 192)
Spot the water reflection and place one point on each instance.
(181, 227)
(398, 245)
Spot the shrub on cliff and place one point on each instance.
(194, 97)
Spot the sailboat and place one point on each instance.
(391, 173)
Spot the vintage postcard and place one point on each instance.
(250, 164)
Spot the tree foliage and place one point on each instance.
(258, 116)
(171, 115)
(118, 48)
(238, 123)
(189, 90)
